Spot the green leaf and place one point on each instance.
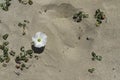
(1, 58)
(99, 58)
(1, 47)
(12, 53)
(29, 52)
(20, 24)
(30, 2)
(7, 59)
(5, 36)
(91, 70)
(23, 65)
(22, 49)
(5, 51)
(93, 54)
(5, 43)
(17, 59)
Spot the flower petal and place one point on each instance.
(43, 38)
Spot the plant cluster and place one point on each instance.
(78, 17)
(23, 25)
(25, 2)
(20, 60)
(5, 5)
(99, 16)
(23, 58)
(96, 57)
(5, 57)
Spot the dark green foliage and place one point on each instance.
(5, 36)
(29, 52)
(20, 24)
(30, 2)
(23, 57)
(22, 2)
(12, 53)
(5, 6)
(22, 49)
(99, 16)
(23, 33)
(96, 57)
(23, 25)
(36, 57)
(5, 51)
(4, 47)
(1, 58)
(93, 54)
(5, 43)
(17, 59)
(78, 17)
(99, 58)
(26, 21)
(23, 65)
(91, 70)
(1, 47)
(7, 59)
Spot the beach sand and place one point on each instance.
(66, 57)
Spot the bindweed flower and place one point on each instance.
(39, 39)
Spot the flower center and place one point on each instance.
(39, 40)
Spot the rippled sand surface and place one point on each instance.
(66, 57)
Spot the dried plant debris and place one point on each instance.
(25, 2)
(23, 25)
(99, 16)
(5, 5)
(78, 17)
(96, 57)
(91, 70)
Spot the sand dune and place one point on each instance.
(66, 57)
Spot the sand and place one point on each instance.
(65, 56)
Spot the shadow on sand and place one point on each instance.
(38, 50)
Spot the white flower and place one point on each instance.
(39, 39)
